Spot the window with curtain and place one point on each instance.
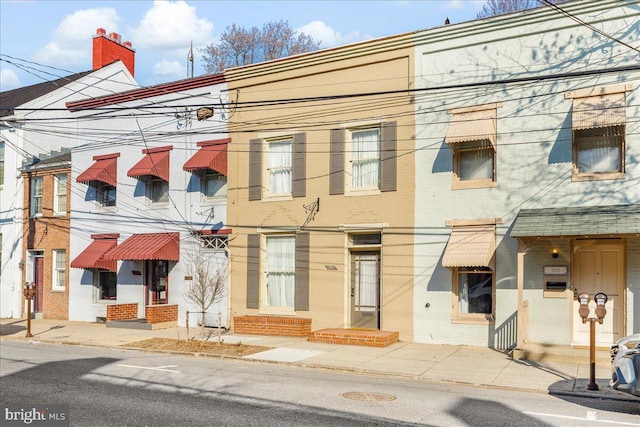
(599, 150)
(59, 269)
(365, 159)
(474, 163)
(60, 194)
(36, 196)
(213, 184)
(474, 291)
(159, 190)
(280, 166)
(281, 270)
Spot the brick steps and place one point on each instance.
(362, 337)
(272, 325)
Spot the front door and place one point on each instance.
(598, 266)
(157, 279)
(365, 290)
(38, 279)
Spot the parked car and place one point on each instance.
(625, 364)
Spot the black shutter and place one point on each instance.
(253, 271)
(255, 169)
(388, 157)
(336, 168)
(302, 272)
(299, 184)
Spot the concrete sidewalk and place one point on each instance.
(474, 366)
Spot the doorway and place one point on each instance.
(365, 289)
(38, 279)
(598, 266)
(157, 282)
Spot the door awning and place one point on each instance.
(154, 163)
(105, 169)
(93, 255)
(212, 155)
(599, 111)
(472, 246)
(614, 220)
(152, 246)
(472, 126)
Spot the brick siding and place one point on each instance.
(122, 311)
(367, 338)
(162, 313)
(272, 325)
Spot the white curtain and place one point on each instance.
(281, 271)
(476, 164)
(463, 293)
(599, 155)
(61, 193)
(366, 286)
(280, 160)
(366, 159)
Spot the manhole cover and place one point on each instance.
(368, 396)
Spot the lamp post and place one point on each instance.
(601, 299)
(29, 290)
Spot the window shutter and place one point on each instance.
(302, 272)
(253, 271)
(388, 157)
(336, 175)
(255, 169)
(299, 184)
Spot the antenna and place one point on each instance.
(190, 62)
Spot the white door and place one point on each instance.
(598, 266)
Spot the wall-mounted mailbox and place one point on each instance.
(555, 278)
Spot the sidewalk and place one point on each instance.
(474, 366)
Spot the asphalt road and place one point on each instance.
(111, 387)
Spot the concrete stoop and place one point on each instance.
(560, 354)
(140, 324)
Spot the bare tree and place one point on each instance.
(209, 277)
(500, 7)
(241, 46)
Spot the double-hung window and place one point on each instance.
(598, 124)
(59, 269)
(60, 194)
(365, 159)
(280, 163)
(472, 138)
(106, 194)
(280, 271)
(107, 285)
(36, 196)
(213, 184)
(159, 190)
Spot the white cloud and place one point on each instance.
(171, 25)
(328, 36)
(464, 4)
(70, 44)
(8, 80)
(172, 69)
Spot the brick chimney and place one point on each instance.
(110, 48)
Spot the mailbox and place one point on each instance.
(556, 278)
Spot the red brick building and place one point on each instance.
(46, 232)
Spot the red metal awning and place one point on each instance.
(152, 246)
(105, 169)
(155, 163)
(212, 155)
(93, 255)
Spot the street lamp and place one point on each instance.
(601, 299)
(29, 290)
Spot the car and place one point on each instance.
(625, 365)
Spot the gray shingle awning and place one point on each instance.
(578, 221)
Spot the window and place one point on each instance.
(279, 161)
(106, 289)
(472, 137)
(214, 185)
(59, 269)
(60, 194)
(159, 189)
(599, 152)
(473, 293)
(105, 194)
(36, 196)
(1, 163)
(365, 159)
(281, 272)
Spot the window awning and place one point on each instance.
(212, 155)
(470, 247)
(472, 126)
(599, 111)
(105, 169)
(152, 246)
(154, 163)
(614, 220)
(93, 255)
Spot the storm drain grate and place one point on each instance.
(368, 396)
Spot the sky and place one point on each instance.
(55, 36)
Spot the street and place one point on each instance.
(112, 387)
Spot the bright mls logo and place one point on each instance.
(36, 415)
